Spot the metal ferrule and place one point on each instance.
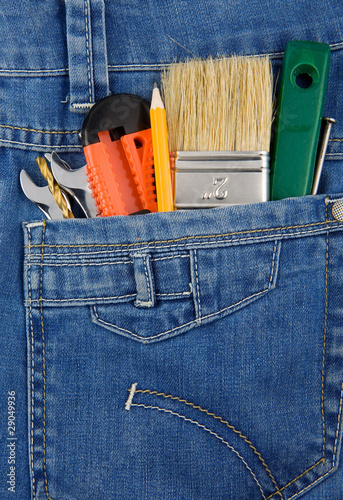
(219, 178)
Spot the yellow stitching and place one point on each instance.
(53, 132)
(337, 430)
(312, 484)
(336, 140)
(231, 427)
(185, 238)
(32, 377)
(324, 349)
(301, 475)
(44, 372)
(183, 417)
(107, 249)
(325, 329)
(172, 247)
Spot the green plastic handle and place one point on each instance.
(304, 80)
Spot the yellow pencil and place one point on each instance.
(161, 153)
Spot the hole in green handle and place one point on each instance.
(304, 80)
(304, 76)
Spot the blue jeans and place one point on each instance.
(191, 355)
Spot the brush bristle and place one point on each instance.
(221, 104)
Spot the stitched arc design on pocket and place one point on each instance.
(42, 287)
(220, 281)
(130, 403)
(279, 491)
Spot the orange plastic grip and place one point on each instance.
(121, 174)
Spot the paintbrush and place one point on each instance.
(219, 116)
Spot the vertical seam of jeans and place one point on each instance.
(44, 366)
(88, 52)
(322, 460)
(210, 431)
(32, 366)
(335, 455)
(221, 420)
(325, 325)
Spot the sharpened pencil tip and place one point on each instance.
(156, 100)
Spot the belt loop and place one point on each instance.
(87, 53)
(144, 280)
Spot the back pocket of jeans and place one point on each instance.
(175, 291)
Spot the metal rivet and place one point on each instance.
(337, 210)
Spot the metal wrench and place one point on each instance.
(74, 182)
(42, 197)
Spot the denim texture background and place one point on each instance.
(191, 355)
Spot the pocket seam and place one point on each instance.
(130, 403)
(195, 322)
(199, 320)
(98, 320)
(31, 386)
(338, 431)
(210, 431)
(213, 239)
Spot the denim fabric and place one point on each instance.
(189, 355)
(87, 54)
